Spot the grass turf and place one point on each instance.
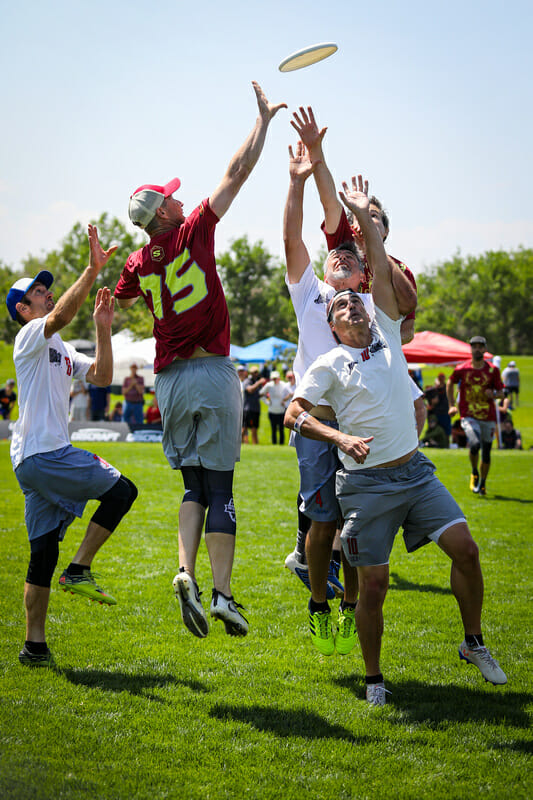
(140, 708)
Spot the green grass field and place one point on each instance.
(141, 709)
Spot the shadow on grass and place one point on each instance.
(511, 499)
(404, 585)
(436, 705)
(285, 722)
(136, 684)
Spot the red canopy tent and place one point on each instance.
(435, 348)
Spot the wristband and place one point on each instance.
(300, 421)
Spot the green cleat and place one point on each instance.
(321, 633)
(346, 636)
(29, 659)
(85, 585)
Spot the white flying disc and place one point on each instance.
(307, 56)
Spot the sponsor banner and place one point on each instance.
(100, 432)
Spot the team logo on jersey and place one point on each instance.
(320, 298)
(229, 509)
(157, 253)
(54, 356)
(201, 209)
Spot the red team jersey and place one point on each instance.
(176, 275)
(473, 402)
(344, 233)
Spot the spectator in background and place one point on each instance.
(133, 391)
(80, 402)
(458, 435)
(437, 403)
(99, 398)
(8, 398)
(511, 381)
(242, 372)
(116, 414)
(510, 437)
(153, 414)
(435, 435)
(252, 403)
(277, 395)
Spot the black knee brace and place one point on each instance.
(485, 452)
(43, 559)
(194, 485)
(115, 504)
(218, 487)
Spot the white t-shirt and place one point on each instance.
(278, 393)
(45, 369)
(369, 390)
(310, 297)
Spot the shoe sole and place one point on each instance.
(232, 628)
(193, 620)
(101, 599)
(487, 680)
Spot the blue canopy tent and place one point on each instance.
(236, 352)
(270, 349)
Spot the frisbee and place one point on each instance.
(307, 56)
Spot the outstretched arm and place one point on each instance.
(100, 373)
(70, 303)
(307, 129)
(296, 254)
(356, 200)
(246, 157)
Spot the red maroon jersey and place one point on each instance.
(345, 233)
(473, 402)
(176, 275)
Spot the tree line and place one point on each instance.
(490, 294)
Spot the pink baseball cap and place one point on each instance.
(145, 201)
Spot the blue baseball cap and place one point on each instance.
(23, 285)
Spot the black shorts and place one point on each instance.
(250, 419)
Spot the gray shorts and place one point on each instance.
(376, 502)
(57, 486)
(478, 431)
(201, 408)
(318, 463)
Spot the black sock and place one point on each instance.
(374, 678)
(76, 569)
(475, 473)
(474, 640)
(313, 606)
(37, 648)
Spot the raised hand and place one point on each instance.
(104, 307)
(266, 109)
(356, 198)
(306, 127)
(98, 256)
(300, 165)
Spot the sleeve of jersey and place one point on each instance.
(80, 362)
(316, 382)
(128, 284)
(388, 325)
(341, 235)
(30, 340)
(498, 384)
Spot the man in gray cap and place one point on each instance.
(58, 479)
(480, 384)
(197, 388)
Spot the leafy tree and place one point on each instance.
(490, 294)
(258, 300)
(68, 262)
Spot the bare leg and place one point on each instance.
(466, 578)
(191, 523)
(91, 543)
(221, 549)
(474, 459)
(36, 602)
(254, 436)
(373, 585)
(318, 547)
(484, 471)
(351, 581)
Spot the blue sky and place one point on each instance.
(432, 102)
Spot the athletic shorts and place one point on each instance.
(57, 486)
(478, 431)
(251, 419)
(201, 409)
(318, 463)
(376, 502)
